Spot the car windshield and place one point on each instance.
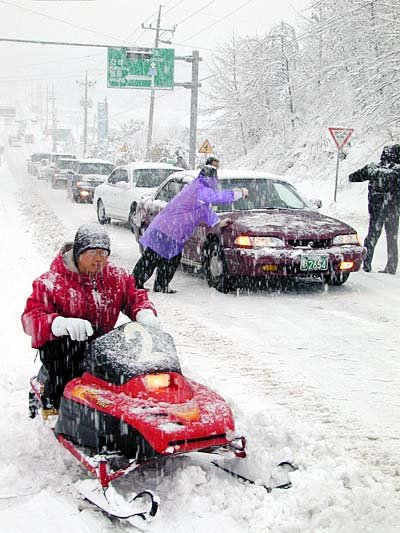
(96, 168)
(56, 157)
(263, 194)
(67, 163)
(38, 157)
(151, 177)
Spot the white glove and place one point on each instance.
(237, 194)
(77, 328)
(240, 192)
(146, 317)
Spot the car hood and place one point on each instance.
(93, 177)
(288, 223)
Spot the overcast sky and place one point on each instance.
(200, 25)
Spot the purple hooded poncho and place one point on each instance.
(172, 227)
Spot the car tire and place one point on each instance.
(215, 268)
(131, 221)
(101, 213)
(337, 279)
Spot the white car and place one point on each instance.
(119, 195)
(42, 169)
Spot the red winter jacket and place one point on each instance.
(63, 292)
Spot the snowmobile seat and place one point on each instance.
(131, 350)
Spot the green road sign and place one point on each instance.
(140, 68)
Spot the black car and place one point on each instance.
(89, 174)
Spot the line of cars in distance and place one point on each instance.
(275, 234)
(79, 177)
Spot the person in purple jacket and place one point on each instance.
(164, 239)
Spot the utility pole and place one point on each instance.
(53, 111)
(47, 108)
(85, 103)
(193, 108)
(194, 89)
(157, 29)
(40, 106)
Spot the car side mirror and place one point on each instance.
(315, 203)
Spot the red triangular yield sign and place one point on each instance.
(341, 136)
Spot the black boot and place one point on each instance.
(367, 266)
(166, 290)
(387, 271)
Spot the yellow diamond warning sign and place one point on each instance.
(124, 148)
(205, 148)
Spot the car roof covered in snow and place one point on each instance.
(228, 174)
(149, 164)
(97, 161)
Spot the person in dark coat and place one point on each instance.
(383, 204)
(79, 298)
(165, 238)
(213, 161)
(180, 162)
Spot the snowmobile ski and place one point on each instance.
(138, 510)
(238, 468)
(268, 488)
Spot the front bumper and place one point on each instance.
(285, 262)
(85, 192)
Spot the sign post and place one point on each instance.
(140, 68)
(341, 137)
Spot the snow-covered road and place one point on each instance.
(312, 375)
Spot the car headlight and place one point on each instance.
(244, 241)
(157, 381)
(351, 238)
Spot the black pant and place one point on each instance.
(146, 265)
(383, 216)
(63, 360)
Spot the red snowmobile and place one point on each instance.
(133, 407)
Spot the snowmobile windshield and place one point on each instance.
(263, 194)
(131, 350)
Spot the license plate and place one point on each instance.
(314, 262)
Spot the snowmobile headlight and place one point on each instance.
(157, 381)
(244, 241)
(351, 238)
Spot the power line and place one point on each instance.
(58, 20)
(195, 13)
(219, 20)
(173, 7)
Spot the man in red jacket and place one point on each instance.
(80, 297)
